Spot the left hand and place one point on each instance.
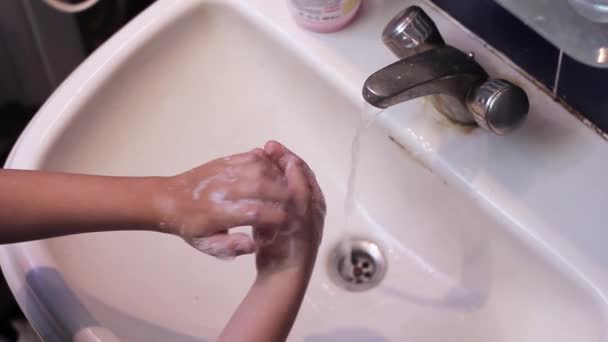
(202, 204)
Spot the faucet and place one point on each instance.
(457, 85)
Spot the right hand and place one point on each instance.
(200, 205)
(294, 243)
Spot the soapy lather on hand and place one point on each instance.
(202, 204)
(248, 189)
(271, 189)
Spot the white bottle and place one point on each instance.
(324, 15)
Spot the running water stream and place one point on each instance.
(369, 114)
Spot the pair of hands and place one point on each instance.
(270, 189)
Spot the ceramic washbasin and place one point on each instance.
(471, 256)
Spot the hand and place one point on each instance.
(294, 243)
(200, 205)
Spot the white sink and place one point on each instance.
(472, 255)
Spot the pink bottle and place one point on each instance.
(324, 15)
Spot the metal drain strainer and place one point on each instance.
(357, 264)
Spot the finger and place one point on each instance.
(261, 165)
(317, 195)
(272, 167)
(269, 168)
(280, 154)
(318, 202)
(262, 190)
(276, 149)
(237, 158)
(277, 153)
(264, 235)
(239, 213)
(297, 183)
(259, 152)
(256, 154)
(253, 164)
(224, 246)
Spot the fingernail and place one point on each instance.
(270, 145)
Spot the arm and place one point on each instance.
(36, 205)
(199, 205)
(269, 310)
(285, 263)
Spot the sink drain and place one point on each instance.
(357, 264)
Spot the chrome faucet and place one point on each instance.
(459, 87)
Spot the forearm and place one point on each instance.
(35, 205)
(270, 308)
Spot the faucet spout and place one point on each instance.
(443, 70)
(458, 87)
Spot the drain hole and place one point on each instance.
(357, 264)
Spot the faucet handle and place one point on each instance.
(498, 105)
(411, 32)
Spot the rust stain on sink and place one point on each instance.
(443, 120)
(411, 155)
(416, 158)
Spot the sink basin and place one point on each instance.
(189, 81)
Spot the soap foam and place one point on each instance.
(227, 176)
(226, 249)
(196, 193)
